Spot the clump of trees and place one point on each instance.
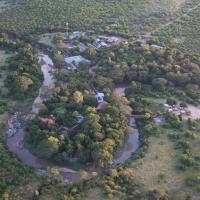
(155, 71)
(85, 15)
(122, 183)
(95, 139)
(24, 75)
(3, 107)
(173, 120)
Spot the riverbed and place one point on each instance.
(130, 146)
(45, 91)
(16, 142)
(132, 141)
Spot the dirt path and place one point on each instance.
(47, 70)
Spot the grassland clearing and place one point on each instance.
(160, 159)
(158, 169)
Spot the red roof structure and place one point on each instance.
(47, 121)
(62, 137)
(102, 106)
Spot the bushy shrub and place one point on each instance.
(186, 161)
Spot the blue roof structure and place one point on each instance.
(79, 119)
(156, 46)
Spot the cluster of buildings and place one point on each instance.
(13, 125)
(176, 109)
(100, 42)
(107, 41)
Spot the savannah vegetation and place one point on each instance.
(167, 164)
(183, 33)
(132, 15)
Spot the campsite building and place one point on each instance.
(74, 61)
(100, 97)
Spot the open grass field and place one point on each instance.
(156, 104)
(160, 159)
(157, 170)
